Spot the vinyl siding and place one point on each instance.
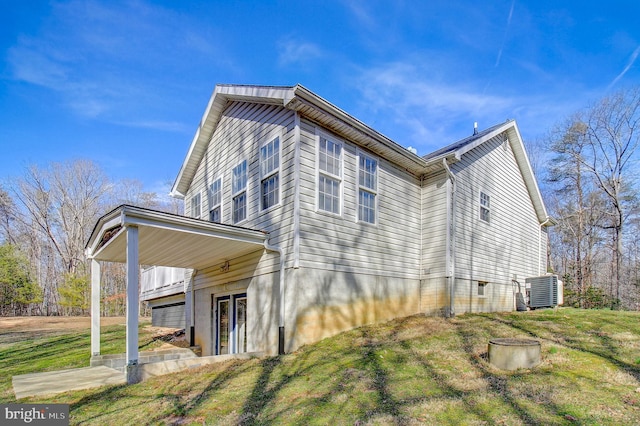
(434, 225)
(340, 243)
(242, 130)
(506, 246)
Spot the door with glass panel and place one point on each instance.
(230, 328)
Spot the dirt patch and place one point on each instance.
(19, 324)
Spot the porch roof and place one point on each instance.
(167, 239)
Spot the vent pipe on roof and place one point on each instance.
(475, 128)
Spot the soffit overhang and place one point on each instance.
(307, 104)
(166, 239)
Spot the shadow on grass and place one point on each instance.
(498, 384)
(606, 348)
(263, 392)
(387, 404)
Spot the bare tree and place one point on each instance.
(63, 202)
(60, 204)
(7, 217)
(613, 128)
(593, 173)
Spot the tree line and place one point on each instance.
(592, 192)
(587, 166)
(46, 216)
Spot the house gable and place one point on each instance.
(509, 133)
(296, 98)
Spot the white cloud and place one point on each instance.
(428, 107)
(292, 52)
(109, 61)
(632, 60)
(506, 32)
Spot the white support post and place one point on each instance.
(132, 310)
(95, 307)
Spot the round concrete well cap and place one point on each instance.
(506, 341)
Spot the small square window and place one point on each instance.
(482, 288)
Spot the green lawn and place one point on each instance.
(417, 370)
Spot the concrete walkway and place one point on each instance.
(65, 380)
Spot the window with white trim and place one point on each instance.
(367, 188)
(215, 194)
(329, 176)
(196, 205)
(270, 174)
(485, 207)
(239, 192)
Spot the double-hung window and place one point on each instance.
(196, 205)
(485, 207)
(329, 176)
(215, 194)
(367, 188)
(270, 174)
(239, 192)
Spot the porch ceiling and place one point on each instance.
(170, 240)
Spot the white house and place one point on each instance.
(301, 222)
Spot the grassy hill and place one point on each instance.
(417, 370)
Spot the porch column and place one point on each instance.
(132, 308)
(95, 307)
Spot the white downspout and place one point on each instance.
(280, 252)
(296, 197)
(547, 220)
(451, 237)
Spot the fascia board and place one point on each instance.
(132, 216)
(414, 161)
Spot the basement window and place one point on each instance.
(482, 288)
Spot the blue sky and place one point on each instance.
(125, 83)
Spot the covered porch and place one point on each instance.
(137, 236)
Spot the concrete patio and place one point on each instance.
(51, 382)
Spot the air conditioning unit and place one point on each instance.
(545, 291)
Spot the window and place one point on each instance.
(482, 288)
(215, 192)
(230, 314)
(269, 173)
(367, 188)
(239, 192)
(329, 176)
(196, 205)
(485, 207)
